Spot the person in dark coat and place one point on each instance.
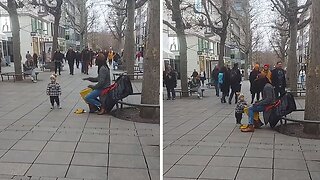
(279, 80)
(58, 59)
(225, 85)
(255, 91)
(86, 59)
(194, 73)
(71, 56)
(170, 80)
(35, 59)
(215, 73)
(235, 82)
(78, 59)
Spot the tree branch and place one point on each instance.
(170, 25)
(4, 7)
(304, 23)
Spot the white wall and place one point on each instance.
(25, 37)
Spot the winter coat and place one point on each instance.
(253, 85)
(170, 80)
(225, 86)
(268, 95)
(70, 56)
(103, 78)
(235, 82)
(215, 73)
(268, 74)
(53, 89)
(86, 55)
(279, 78)
(58, 57)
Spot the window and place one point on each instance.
(34, 25)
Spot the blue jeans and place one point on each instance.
(91, 98)
(253, 109)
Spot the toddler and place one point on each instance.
(240, 108)
(54, 91)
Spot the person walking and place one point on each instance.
(170, 80)
(110, 56)
(54, 91)
(235, 82)
(86, 58)
(279, 80)
(253, 85)
(224, 83)
(35, 59)
(58, 59)
(71, 56)
(28, 56)
(203, 77)
(194, 73)
(78, 59)
(215, 73)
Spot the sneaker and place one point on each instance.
(34, 81)
(173, 98)
(51, 107)
(199, 96)
(168, 98)
(60, 107)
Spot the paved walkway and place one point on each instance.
(201, 141)
(39, 143)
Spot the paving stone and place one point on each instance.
(315, 175)
(125, 173)
(183, 171)
(90, 159)
(194, 160)
(29, 145)
(36, 135)
(291, 175)
(257, 162)
(14, 156)
(266, 153)
(313, 165)
(47, 170)
(177, 149)
(286, 154)
(87, 172)
(65, 137)
(171, 158)
(256, 173)
(92, 147)
(54, 158)
(125, 149)
(153, 163)
(290, 164)
(12, 134)
(230, 151)
(127, 161)
(226, 161)
(60, 146)
(150, 150)
(94, 138)
(212, 172)
(13, 168)
(124, 139)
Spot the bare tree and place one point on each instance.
(279, 39)
(180, 26)
(312, 106)
(86, 22)
(11, 8)
(151, 74)
(116, 21)
(246, 26)
(290, 10)
(217, 24)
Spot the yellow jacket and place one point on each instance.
(267, 74)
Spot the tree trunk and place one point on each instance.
(129, 45)
(177, 17)
(223, 38)
(151, 64)
(55, 32)
(15, 38)
(312, 105)
(292, 52)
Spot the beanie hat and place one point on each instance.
(267, 65)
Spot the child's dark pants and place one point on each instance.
(54, 98)
(238, 117)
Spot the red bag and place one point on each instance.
(108, 89)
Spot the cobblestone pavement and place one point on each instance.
(201, 141)
(39, 143)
